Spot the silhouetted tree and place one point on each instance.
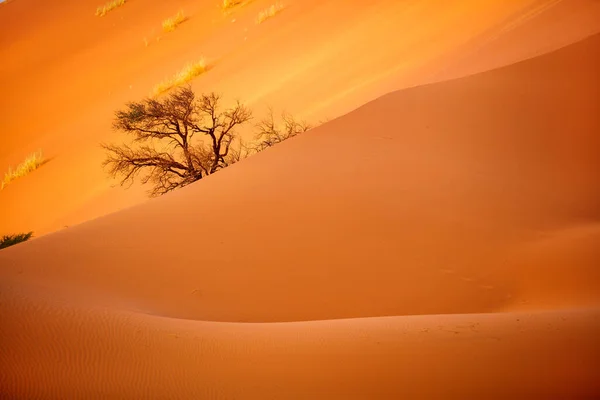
(269, 133)
(196, 138)
(239, 152)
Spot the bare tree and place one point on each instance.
(175, 122)
(239, 152)
(269, 133)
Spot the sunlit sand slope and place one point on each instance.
(64, 72)
(455, 197)
(438, 242)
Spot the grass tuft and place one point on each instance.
(269, 12)
(187, 73)
(170, 24)
(11, 240)
(31, 163)
(111, 5)
(228, 4)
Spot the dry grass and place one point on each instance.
(170, 24)
(229, 4)
(111, 5)
(187, 73)
(31, 163)
(269, 12)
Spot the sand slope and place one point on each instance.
(451, 185)
(104, 354)
(476, 198)
(65, 72)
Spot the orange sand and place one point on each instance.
(65, 72)
(441, 241)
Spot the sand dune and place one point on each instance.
(450, 184)
(438, 242)
(99, 353)
(65, 71)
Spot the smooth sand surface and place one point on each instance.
(439, 242)
(99, 353)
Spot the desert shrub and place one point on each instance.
(31, 163)
(194, 134)
(186, 74)
(269, 133)
(10, 240)
(170, 24)
(180, 138)
(269, 12)
(111, 5)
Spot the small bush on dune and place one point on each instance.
(269, 12)
(187, 73)
(111, 5)
(31, 163)
(10, 240)
(170, 24)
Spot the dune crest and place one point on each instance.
(316, 60)
(441, 185)
(440, 241)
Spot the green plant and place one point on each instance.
(10, 240)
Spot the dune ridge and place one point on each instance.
(81, 308)
(440, 183)
(441, 241)
(122, 56)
